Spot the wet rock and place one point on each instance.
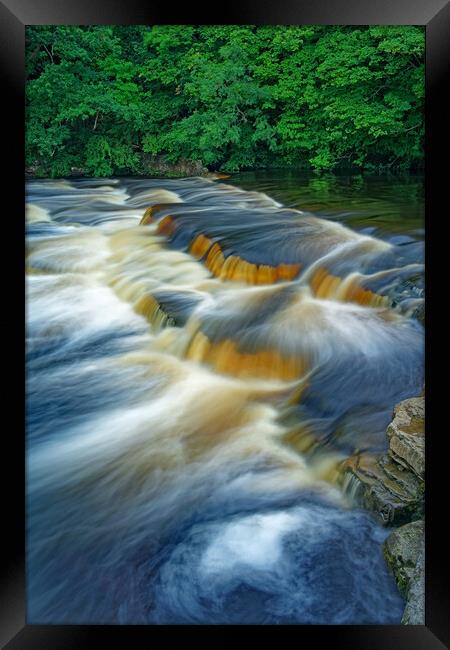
(414, 613)
(409, 295)
(392, 485)
(405, 555)
(406, 435)
(380, 485)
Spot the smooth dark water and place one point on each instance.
(164, 386)
(387, 205)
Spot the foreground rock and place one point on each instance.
(393, 485)
(414, 613)
(406, 435)
(404, 552)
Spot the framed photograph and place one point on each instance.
(220, 349)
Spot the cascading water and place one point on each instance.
(200, 359)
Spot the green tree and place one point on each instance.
(113, 99)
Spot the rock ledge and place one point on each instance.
(393, 485)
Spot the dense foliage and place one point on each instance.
(117, 99)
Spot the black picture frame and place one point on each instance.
(14, 16)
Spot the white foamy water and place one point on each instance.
(254, 541)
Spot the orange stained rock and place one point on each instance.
(200, 246)
(288, 271)
(229, 266)
(233, 267)
(227, 359)
(365, 297)
(148, 217)
(266, 274)
(326, 285)
(147, 306)
(166, 226)
(151, 211)
(247, 272)
(317, 279)
(237, 269)
(198, 347)
(325, 288)
(215, 259)
(243, 271)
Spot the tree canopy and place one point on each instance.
(115, 99)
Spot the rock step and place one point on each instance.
(393, 485)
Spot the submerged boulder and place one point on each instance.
(404, 553)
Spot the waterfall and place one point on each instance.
(184, 339)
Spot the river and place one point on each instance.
(201, 357)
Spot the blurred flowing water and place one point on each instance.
(201, 357)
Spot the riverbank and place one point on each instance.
(161, 168)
